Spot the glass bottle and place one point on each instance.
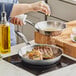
(5, 45)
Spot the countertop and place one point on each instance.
(7, 69)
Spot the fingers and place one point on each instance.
(48, 9)
(16, 21)
(41, 6)
(21, 23)
(45, 8)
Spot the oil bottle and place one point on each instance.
(5, 46)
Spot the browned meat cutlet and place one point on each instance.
(46, 51)
(50, 51)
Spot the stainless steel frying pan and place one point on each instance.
(41, 26)
(57, 51)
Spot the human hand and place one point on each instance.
(41, 6)
(16, 21)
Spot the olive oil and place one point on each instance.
(5, 46)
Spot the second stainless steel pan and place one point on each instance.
(57, 51)
(50, 27)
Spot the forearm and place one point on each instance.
(20, 9)
(25, 8)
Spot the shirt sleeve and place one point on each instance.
(8, 9)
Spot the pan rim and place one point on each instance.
(50, 21)
(61, 50)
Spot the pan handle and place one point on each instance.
(31, 23)
(21, 35)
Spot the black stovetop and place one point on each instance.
(37, 70)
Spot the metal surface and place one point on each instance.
(21, 35)
(41, 26)
(57, 51)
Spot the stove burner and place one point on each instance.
(38, 69)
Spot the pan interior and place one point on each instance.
(50, 25)
(56, 50)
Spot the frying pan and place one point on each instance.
(43, 25)
(57, 51)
